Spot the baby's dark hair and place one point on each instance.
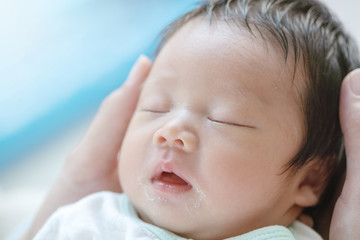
(309, 32)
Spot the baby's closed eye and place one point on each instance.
(154, 110)
(230, 122)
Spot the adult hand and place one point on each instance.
(92, 165)
(346, 217)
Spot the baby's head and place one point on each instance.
(237, 124)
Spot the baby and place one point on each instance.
(236, 131)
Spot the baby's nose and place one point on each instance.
(176, 135)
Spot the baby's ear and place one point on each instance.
(312, 181)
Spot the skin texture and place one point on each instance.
(219, 110)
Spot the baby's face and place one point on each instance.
(216, 123)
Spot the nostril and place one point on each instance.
(161, 139)
(185, 140)
(179, 142)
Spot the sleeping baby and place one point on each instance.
(236, 131)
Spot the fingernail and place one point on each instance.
(355, 82)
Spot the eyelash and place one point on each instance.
(230, 123)
(153, 111)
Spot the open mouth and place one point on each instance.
(170, 182)
(171, 178)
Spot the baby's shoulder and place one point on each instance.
(97, 216)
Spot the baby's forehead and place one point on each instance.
(231, 48)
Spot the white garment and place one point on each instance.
(108, 215)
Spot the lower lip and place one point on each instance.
(170, 188)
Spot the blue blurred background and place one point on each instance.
(58, 60)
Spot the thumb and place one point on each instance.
(350, 124)
(344, 223)
(105, 134)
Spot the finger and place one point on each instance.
(119, 106)
(110, 124)
(139, 72)
(350, 124)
